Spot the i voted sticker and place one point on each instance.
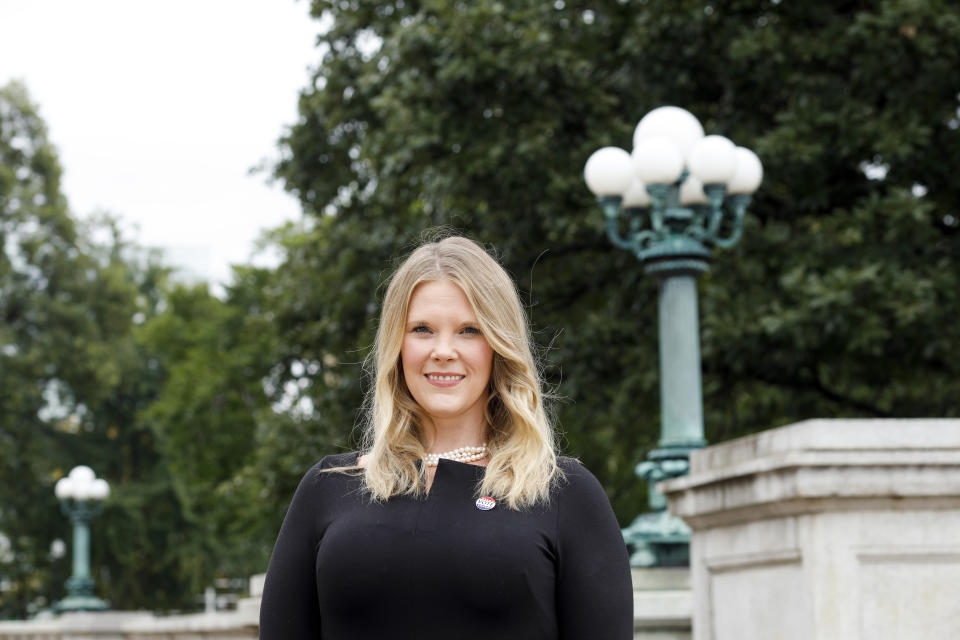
(486, 503)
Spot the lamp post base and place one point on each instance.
(81, 596)
(80, 603)
(658, 539)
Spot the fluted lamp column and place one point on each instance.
(677, 196)
(81, 496)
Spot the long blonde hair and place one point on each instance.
(523, 459)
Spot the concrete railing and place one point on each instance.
(818, 530)
(662, 611)
(241, 623)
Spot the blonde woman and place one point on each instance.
(458, 520)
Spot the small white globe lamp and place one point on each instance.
(608, 172)
(748, 175)
(713, 160)
(658, 160)
(679, 125)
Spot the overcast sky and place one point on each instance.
(159, 110)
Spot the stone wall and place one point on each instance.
(826, 529)
(662, 611)
(662, 604)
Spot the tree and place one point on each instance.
(72, 381)
(161, 388)
(840, 298)
(214, 356)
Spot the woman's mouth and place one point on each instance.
(444, 380)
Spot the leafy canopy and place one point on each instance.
(840, 299)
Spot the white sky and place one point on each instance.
(159, 110)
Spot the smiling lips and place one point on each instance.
(444, 379)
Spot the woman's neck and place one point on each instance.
(443, 436)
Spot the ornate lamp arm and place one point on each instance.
(698, 225)
(660, 197)
(611, 208)
(739, 205)
(635, 216)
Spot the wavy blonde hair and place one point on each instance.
(523, 458)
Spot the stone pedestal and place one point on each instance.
(662, 603)
(824, 530)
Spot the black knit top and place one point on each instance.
(440, 566)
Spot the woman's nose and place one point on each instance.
(443, 349)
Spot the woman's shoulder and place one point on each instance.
(330, 465)
(581, 497)
(575, 479)
(568, 465)
(335, 460)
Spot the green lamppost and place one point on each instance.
(670, 202)
(81, 496)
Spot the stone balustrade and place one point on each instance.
(819, 530)
(241, 623)
(662, 611)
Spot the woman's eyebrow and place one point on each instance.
(468, 323)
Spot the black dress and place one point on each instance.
(344, 568)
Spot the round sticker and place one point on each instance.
(485, 503)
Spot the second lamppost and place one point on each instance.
(677, 196)
(81, 496)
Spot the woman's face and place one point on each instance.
(446, 360)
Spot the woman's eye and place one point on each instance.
(473, 330)
(421, 329)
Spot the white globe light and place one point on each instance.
(691, 192)
(675, 123)
(608, 171)
(83, 474)
(99, 490)
(713, 160)
(83, 491)
(636, 194)
(63, 489)
(749, 173)
(657, 161)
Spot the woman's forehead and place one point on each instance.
(439, 297)
(442, 291)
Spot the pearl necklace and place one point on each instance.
(460, 454)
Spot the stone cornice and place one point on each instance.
(821, 465)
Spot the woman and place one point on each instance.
(460, 520)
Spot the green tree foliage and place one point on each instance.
(203, 413)
(839, 301)
(159, 388)
(73, 379)
(214, 356)
(33, 222)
